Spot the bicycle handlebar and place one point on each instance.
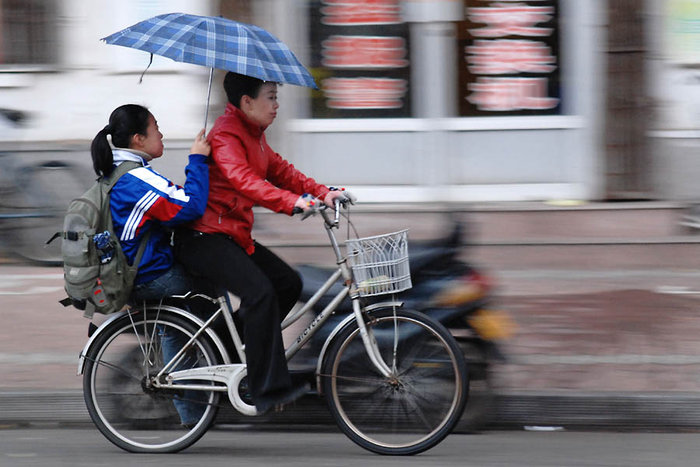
(322, 207)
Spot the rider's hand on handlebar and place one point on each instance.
(306, 202)
(340, 195)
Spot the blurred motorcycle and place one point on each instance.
(455, 293)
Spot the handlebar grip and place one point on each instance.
(306, 214)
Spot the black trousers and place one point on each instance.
(268, 288)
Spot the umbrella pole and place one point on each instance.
(206, 111)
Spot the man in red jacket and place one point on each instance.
(246, 172)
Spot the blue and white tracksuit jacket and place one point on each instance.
(143, 200)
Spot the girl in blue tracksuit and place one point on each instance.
(144, 201)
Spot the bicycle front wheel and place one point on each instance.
(415, 407)
(118, 384)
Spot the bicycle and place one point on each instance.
(33, 201)
(395, 379)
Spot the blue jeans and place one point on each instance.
(188, 406)
(175, 281)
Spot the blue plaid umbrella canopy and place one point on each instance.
(216, 42)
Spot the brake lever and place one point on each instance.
(308, 214)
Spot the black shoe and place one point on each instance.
(301, 377)
(279, 399)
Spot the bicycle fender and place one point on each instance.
(177, 311)
(339, 327)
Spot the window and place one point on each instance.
(509, 58)
(27, 32)
(360, 59)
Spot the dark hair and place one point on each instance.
(237, 86)
(124, 122)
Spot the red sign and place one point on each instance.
(364, 93)
(505, 56)
(508, 94)
(364, 52)
(503, 19)
(360, 12)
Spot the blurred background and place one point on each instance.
(420, 101)
(565, 135)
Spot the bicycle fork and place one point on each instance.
(366, 334)
(371, 345)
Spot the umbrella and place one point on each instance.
(216, 42)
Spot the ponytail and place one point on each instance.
(126, 121)
(101, 151)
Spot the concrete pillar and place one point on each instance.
(433, 64)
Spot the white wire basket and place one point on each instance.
(380, 263)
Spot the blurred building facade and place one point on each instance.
(673, 70)
(420, 100)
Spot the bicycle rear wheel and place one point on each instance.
(118, 390)
(414, 408)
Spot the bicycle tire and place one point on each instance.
(415, 408)
(126, 410)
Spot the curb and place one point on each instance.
(546, 411)
(638, 411)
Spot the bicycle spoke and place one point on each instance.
(114, 367)
(138, 336)
(152, 339)
(413, 407)
(356, 379)
(396, 343)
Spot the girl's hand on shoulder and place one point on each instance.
(201, 145)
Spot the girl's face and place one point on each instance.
(263, 109)
(152, 142)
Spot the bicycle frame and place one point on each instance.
(231, 374)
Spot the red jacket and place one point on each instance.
(247, 172)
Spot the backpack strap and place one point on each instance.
(117, 173)
(142, 248)
(109, 183)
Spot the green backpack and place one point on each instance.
(97, 277)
